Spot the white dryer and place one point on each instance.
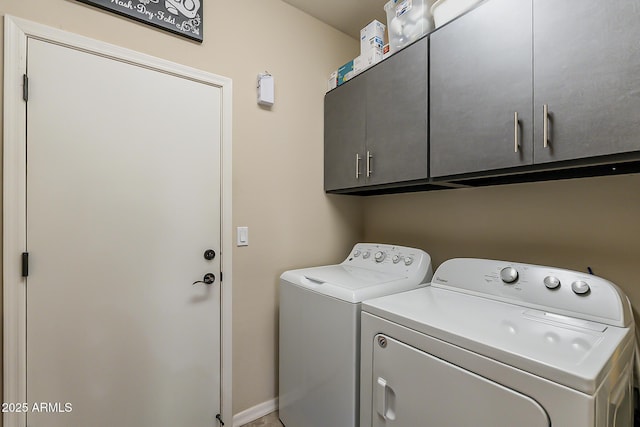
(319, 373)
(499, 344)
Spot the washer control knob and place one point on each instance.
(551, 282)
(580, 287)
(380, 256)
(509, 274)
(396, 259)
(356, 253)
(366, 255)
(408, 260)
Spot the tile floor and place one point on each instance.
(270, 420)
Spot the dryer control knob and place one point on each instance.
(396, 259)
(356, 253)
(408, 260)
(580, 287)
(380, 256)
(509, 274)
(366, 255)
(551, 282)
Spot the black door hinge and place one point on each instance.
(219, 418)
(25, 87)
(25, 264)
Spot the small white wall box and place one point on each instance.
(266, 93)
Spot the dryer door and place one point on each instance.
(413, 388)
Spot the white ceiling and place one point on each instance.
(348, 16)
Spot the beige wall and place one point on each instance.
(571, 224)
(277, 167)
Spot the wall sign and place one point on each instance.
(183, 17)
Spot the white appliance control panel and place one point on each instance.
(550, 289)
(393, 259)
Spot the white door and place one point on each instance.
(413, 389)
(123, 199)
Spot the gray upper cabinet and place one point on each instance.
(481, 90)
(587, 72)
(512, 90)
(344, 136)
(397, 117)
(375, 131)
(568, 68)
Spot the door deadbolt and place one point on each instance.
(209, 254)
(208, 279)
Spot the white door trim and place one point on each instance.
(16, 33)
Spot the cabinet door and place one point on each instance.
(396, 105)
(481, 75)
(344, 133)
(587, 70)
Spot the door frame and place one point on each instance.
(16, 33)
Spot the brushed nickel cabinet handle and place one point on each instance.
(369, 157)
(545, 125)
(516, 141)
(358, 158)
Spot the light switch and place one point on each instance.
(243, 236)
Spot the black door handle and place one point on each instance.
(208, 279)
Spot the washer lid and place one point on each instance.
(347, 277)
(569, 351)
(369, 271)
(348, 283)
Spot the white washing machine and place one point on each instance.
(320, 330)
(496, 344)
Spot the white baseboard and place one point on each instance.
(253, 413)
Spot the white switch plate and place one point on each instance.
(243, 236)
